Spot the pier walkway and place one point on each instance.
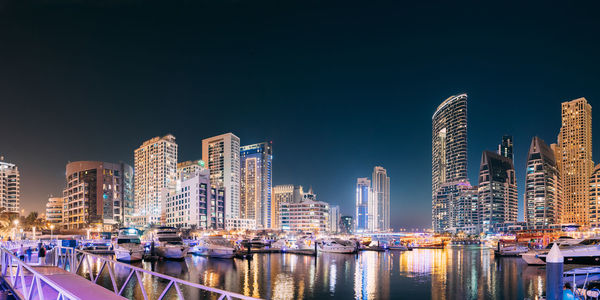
(66, 278)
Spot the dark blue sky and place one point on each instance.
(338, 87)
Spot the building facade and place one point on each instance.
(189, 168)
(595, 198)
(10, 186)
(307, 215)
(97, 194)
(256, 183)
(449, 146)
(222, 155)
(155, 173)
(286, 193)
(363, 198)
(458, 208)
(54, 209)
(195, 204)
(498, 199)
(346, 224)
(543, 190)
(380, 200)
(334, 219)
(575, 160)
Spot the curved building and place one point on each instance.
(448, 147)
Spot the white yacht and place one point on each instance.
(214, 246)
(531, 257)
(586, 252)
(280, 244)
(511, 250)
(127, 246)
(169, 244)
(336, 246)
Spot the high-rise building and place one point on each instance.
(542, 187)
(346, 224)
(334, 219)
(286, 193)
(222, 155)
(380, 201)
(449, 146)
(363, 198)
(498, 199)
(54, 209)
(307, 215)
(595, 198)
(574, 149)
(256, 183)
(506, 147)
(10, 186)
(457, 209)
(194, 203)
(97, 194)
(155, 172)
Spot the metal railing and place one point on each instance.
(75, 258)
(13, 272)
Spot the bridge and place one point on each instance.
(75, 274)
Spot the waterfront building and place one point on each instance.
(574, 150)
(542, 187)
(506, 147)
(363, 198)
(595, 198)
(97, 194)
(286, 193)
(222, 154)
(189, 168)
(449, 147)
(256, 183)
(10, 186)
(457, 209)
(155, 173)
(334, 219)
(498, 199)
(194, 203)
(379, 206)
(346, 224)
(308, 215)
(241, 224)
(54, 208)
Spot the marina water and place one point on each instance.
(456, 272)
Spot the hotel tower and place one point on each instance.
(575, 160)
(10, 189)
(379, 206)
(155, 163)
(449, 149)
(256, 183)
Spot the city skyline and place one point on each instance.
(302, 95)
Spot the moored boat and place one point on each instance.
(214, 246)
(336, 246)
(127, 246)
(169, 244)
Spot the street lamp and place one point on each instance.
(33, 228)
(51, 229)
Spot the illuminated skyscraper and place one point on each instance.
(222, 155)
(10, 186)
(189, 168)
(286, 193)
(458, 208)
(506, 147)
(575, 160)
(256, 183)
(155, 173)
(542, 187)
(449, 146)
(498, 199)
(379, 206)
(363, 198)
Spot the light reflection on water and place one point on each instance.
(469, 272)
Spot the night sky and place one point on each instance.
(338, 86)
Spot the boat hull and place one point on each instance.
(580, 260)
(176, 252)
(128, 256)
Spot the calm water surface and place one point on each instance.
(468, 272)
